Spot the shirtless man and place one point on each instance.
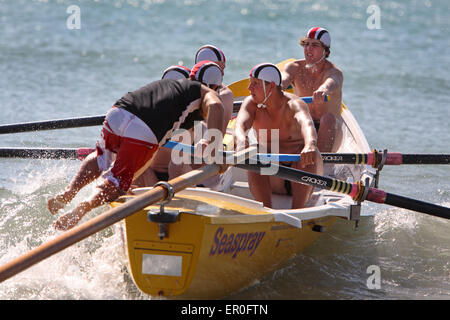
(134, 128)
(161, 162)
(268, 108)
(317, 77)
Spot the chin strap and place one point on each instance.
(313, 66)
(262, 104)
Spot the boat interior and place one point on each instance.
(232, 187)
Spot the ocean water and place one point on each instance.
(394, 56)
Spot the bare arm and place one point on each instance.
(287, 75)
(212, 109)
(244, 122)
(226, 95)
(332, 83)
(304, 120)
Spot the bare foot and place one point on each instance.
(68, 220)
(55, 204)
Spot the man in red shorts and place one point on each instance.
(135, 127)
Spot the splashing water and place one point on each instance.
(74, 273)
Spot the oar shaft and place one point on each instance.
(392, 158)
(425, 159)
(103, 221)
(52, 124)
(379, 196)
(354, 190)
(77, 122)
(298, 176)
(46, 153)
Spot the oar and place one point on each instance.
(79, 122)
(112, 216)
(355, 190)
(52, 124)
(393, 158)
(46, 153)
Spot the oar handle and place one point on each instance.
(52, 124)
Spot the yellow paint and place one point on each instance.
(212, 264)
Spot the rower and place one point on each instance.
(133, 130)
(280, 120)
(316, 76)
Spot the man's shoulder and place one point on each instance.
(293, 65)
(332, 68)
(225, 91)
(293, 100)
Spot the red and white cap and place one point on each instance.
(176, 72)
(267, 72)
(319, 34)
(207, 72)
(209, 52)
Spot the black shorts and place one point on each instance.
(317, 124)
(162, 176)
(287, 183)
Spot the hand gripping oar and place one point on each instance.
(114, 215)
(355, 190)
(46, 153)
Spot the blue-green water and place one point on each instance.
(396, 83)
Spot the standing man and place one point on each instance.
(134, 128)
(268, 108)
(317, 77)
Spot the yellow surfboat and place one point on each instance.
(218, 242)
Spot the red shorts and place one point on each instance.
(123, 157)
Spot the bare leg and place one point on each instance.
(108, 192)
(88, 172)
(260, 188)
(330, 133)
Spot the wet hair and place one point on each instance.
(327, 49)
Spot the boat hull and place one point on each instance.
(209, 257)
